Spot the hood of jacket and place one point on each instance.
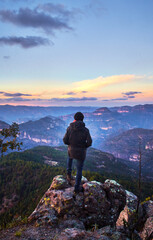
(77, 125)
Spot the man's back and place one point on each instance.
(78, 139)
(78, 134)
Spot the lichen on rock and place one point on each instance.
(59, 182)
(130, 207)
(97, 205)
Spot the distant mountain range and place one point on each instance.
(130, 114)
(117, 135)
(130, 144)
(3, 125)
(45, 131)
(104, 122)
(21, 114)
(126, 145)
(138, 116)
(114, 130)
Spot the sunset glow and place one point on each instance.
(84, 53)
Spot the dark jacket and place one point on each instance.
(78, 139)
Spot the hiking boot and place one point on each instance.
(76, 191)
(69, 177)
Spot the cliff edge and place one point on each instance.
(97, 213)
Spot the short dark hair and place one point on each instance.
(79, 116)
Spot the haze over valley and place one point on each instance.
(115, 130)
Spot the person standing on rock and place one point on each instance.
(78, 139)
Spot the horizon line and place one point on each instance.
(57, 106)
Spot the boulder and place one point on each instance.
(148, 209)
(117, 197)
(147, 229)
(144, 223)
(130, 207)
(72, 233)
(112, 233)
(105, 233)
(59, 183)
(77, 234)
(100, 204)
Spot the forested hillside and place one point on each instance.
(24, 177)
(22, 185)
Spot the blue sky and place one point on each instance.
(89, 52)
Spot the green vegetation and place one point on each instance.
(18, 233)
(23, 183)
(129, 183)
(8, 138)
(24, 178)
(38, 154)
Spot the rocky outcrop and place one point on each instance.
(100, 204)
(105, 233)
(147, 220)
(141, 220)
(102, 208)
(130, 207)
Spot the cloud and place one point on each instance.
(74, 93)
(6, 57)
(119, 99)
(74, 99)
(14, 94)
(6, 100)
(96, 84)
(126, 96)
(131, 93)
(25, 42)
(115, 99)
(70, 93)
(58, 9)
(20, 99)
(131, 96)
(37, 19)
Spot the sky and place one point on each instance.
(76, 52)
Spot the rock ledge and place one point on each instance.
(100, 204)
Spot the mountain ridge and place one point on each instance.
(130, 144)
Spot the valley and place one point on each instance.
(119, 134)
(114, 130)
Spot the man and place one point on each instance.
(78, 139)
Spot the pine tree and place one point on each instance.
(8, 138)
